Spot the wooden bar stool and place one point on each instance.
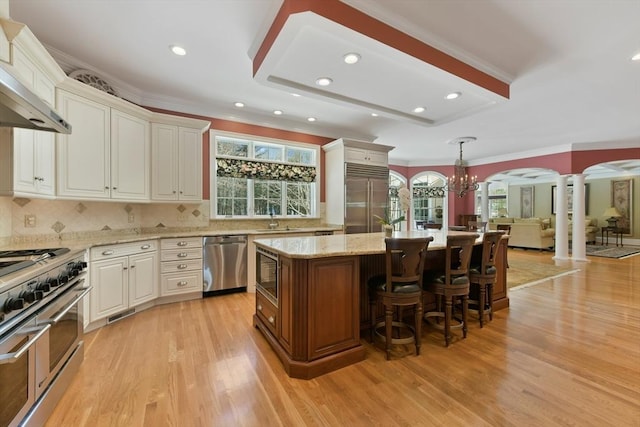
(483, 275)
(452, 285)
(399, 287)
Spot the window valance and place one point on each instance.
(237, 168)
(428, 192)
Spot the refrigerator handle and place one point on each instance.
(369, 210)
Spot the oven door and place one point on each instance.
(17, 371)
(64, 316)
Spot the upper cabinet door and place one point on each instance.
(83, 156)
(130, 157)
(176, 163)
(164, 163)
(190, 164)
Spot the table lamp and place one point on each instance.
(503, 212)
(613, 215)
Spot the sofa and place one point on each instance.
(535, 233)
(590, 229)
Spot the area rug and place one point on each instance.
(522, 274)
(612, 251)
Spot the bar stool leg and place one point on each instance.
(465, 309)
(388, 310)
(447, 320)
(481, 302)
(418, 326)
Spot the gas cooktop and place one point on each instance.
(11, 261)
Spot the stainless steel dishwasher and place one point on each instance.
(225, 264)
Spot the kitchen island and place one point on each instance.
(314, 316)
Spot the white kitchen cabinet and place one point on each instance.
(176, 163)
(123, 277)
(130, 157)
(364, 156)
(34, 162)
(32, 158)
(83, 156)
(180, 266)
(107, 156)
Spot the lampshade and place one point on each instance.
(612, 212)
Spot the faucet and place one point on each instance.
(273, 224)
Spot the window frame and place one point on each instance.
(251, 139)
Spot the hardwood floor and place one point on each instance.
(567, 352)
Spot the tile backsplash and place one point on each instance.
(23, 219)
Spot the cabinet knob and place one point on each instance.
(183, 255)
(115, 188)
(180, 191)
(259, 307)
(182, 266)
(174, 191)
(124, 268)
(145, 246)
(107, 252)
(106, 188)
(182, 243)
(133, 266)
(272, 320)
(183, 283)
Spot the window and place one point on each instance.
(396, 182)
(497, 200)
(428, 191)
(260, 178)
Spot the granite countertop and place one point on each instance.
(110, 238)
(349, 244)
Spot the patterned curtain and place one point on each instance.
(235, 168)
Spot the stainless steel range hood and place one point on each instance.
(21, 108)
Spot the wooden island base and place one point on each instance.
(314, 325)
(308, 370)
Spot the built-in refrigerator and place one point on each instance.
(366, 195)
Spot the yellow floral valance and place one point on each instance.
(236, 168)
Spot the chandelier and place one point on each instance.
(461, 183)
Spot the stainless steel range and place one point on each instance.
(41, 330)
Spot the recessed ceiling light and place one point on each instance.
(418, 109)
(277, 112)
(324, 81)
(296, 94)
(239, 104)
(178, 50)
(351, 58)
(374, 114)
(453, 95)
(636, 57)
(311, 119)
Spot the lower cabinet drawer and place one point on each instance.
(267, 312)
(179, 283)
(185, 265)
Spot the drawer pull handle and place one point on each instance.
(182, 243)
(183, 283)
(272, 320)
(107, 252)
(145, 247)
(259, 307)
(183, 255)
(182, 266)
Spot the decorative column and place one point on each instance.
(562, 219)
(578, 239)
(484, 201)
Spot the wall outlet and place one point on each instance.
(132, 218)
(30, 221)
